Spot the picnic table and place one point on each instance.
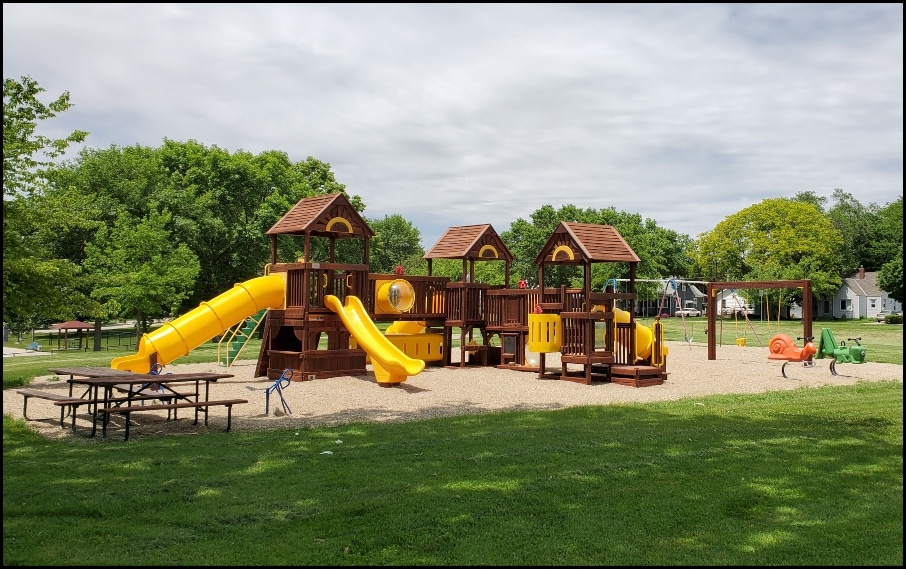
(174, 391)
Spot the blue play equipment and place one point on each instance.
(828, 348)
(278, 386)
(156, 369)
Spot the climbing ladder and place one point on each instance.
(234, 340)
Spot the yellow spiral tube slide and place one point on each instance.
(184, 334)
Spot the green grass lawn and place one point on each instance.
(804, 477)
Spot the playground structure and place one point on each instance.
(321, 314)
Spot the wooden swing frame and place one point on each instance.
(714, 287)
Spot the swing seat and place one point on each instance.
(741, 342)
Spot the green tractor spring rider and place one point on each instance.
(842, 354)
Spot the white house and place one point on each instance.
(858, 297)
(730, 303)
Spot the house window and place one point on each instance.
(873, 303)
(845, 304)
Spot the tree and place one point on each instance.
(864, 241)
(777, 239)
(395, 241)
(35, 287)
(890, 229)
(219, 205)
(22, 146)
(811, 198)
(890, 277)
(139, 269)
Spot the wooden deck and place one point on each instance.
(637, 375)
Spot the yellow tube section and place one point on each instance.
(644, 337)
(391, 365)
(181, 336)
(393, 297)
(406, 327)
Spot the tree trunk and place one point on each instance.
(139, 331)
(97, 334)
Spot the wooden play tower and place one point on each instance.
(466, 300)
(292, 335)
(595, 339)
(586, 354)
(503, 317)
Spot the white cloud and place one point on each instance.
(456, 114)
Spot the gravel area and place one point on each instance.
(442, 392)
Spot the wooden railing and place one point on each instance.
(308, 283)
(466, 303)
(508, 309)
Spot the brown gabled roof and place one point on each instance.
(478, 242)
(578, 243)
(323, 216)
(71, 325)
(866, 286)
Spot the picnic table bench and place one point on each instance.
(198, 405)
(64, 401)
(117, 401)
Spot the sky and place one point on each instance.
(464, 114)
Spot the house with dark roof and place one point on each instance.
(859, 297)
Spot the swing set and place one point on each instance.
(679, 304)
(740, 309)
(714, 287)
(767, 306)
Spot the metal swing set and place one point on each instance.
(679, 303)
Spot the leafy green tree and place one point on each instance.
(395, 241)
(36, 287)
(890, 277)
(139, 269)
(811, 197)
(23, 147)
(864, 241)
(776, 239)
(219, 205)
(890, 230)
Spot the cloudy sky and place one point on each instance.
(460, 114)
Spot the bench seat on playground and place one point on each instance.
(63, 401)
(199, 406)
(117, 401)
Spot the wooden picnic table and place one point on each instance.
(100, 383)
